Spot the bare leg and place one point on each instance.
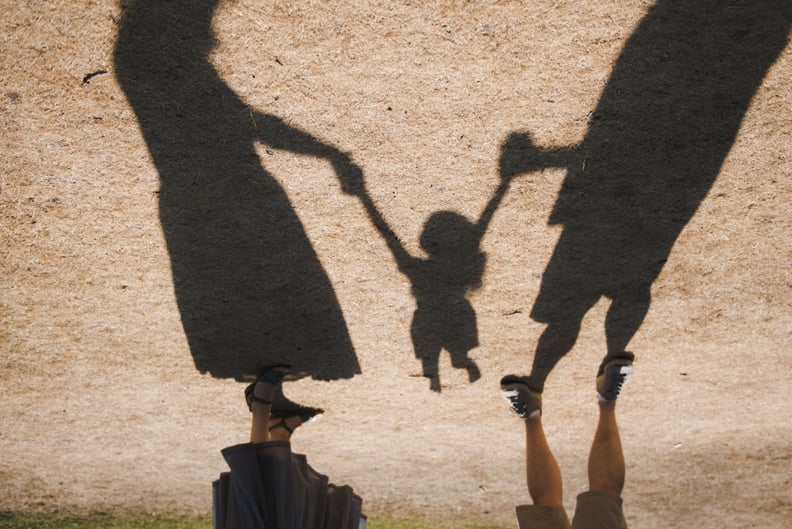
(261, 406)
(259, 428)
(282, 429)
(606, 460)
(543, 474)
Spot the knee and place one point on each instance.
(612, 487)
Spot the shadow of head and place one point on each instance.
(451, 241)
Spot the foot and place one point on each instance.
(303, 413)
(282, 425)
(525, 402)
(283, 407)
(264, 389)
(474, 373)
(612, 375)
(434, 382)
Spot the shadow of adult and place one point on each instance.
(249, 286)
(444, 318)
(664, 123)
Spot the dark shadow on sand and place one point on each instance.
(249, 286)
(444, 318)
(656, 142)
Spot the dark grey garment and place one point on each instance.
(269, 487)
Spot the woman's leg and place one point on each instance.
(260, 425)
(264, 391)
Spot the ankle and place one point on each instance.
(605, 403)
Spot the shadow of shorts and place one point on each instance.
(594, 510)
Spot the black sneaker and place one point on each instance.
(612, 376)
(525, 402)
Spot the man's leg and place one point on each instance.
(542, 473)
(601, 506)
(606, 460)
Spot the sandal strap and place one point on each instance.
(254, 398)
(273, 375)
(282, 424)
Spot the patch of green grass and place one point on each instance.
(14, 520)
(373, 523)
(388, 524)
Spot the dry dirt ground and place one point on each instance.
(102, 405)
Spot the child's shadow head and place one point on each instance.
(450, 238)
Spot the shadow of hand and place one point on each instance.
(519, 155)
(350, 175)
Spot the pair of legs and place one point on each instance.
(600, 507)
(450, 326)
(274, 417)
(605, 463)
(459, 359)
(265, 428)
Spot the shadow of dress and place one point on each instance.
(250, 289)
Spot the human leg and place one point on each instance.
(286, 416)
(281, 429)
(601, 506)
(259, 396)
(543, 476)
(542, 473)
(606, 460)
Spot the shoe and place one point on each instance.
(525, 402)
(612, 375)
(272, 375)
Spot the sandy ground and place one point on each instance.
(103, 408)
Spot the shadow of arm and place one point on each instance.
(402, 257)
(276, 133)
(492, 206)
(520, 155)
